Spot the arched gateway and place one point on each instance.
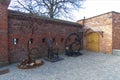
(92, 36)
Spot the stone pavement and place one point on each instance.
(89, 66)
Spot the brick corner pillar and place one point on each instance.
(4, 32)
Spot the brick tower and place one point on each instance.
(4, 32)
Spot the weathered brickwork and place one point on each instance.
(21, 27)
(17, 28)
(4, 32)
(104, 23)
(116, 30)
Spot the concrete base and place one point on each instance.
(54, 59)
(116, 52)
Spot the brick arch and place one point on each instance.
(91, 31)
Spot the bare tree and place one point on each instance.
(50, 8)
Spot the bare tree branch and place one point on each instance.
(50, 8)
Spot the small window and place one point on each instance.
(53, 39)
(62, 39)
(43, 40)
(69, 39)
(15, 41)
(31, 41)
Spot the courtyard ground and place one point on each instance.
(89, 66)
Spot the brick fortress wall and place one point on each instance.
(21, 27)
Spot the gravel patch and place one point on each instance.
(89, 66)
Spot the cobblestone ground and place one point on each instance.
(89, 66)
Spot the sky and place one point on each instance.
(96, 7)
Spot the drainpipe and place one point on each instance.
(83, 32)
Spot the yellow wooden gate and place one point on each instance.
(93, 42)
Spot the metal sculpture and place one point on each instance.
(53, 51)
(73, 45)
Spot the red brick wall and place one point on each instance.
(3, 33)
(20, 27)
(104, 23)
(116, 30)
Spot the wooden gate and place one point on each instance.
(93, 42)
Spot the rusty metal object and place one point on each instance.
(25, 64)
(73, 45)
